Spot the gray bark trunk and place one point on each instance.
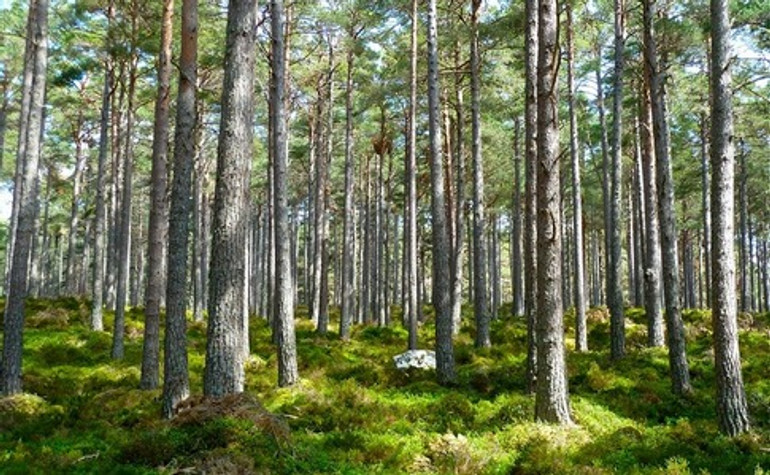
(224, 357)
(551, 398)
(445, 367)
(157, 228)
(732, 409)
(349, 244)
(29, 148)
(581, 334)
(614, 274)
(284, 301)
(680, 376)
(517, 275)
(480, 304)
(530, 198)
(410, 246)
(176, 384)
(706, 205)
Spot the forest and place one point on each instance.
(385, 236)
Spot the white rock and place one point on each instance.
(422, 359)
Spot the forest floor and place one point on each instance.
(353, 412)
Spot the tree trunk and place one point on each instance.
(123, 224)
(743, 249)
(706, 205)
(445, 367)
(732, 409)
(614, 274)
(157, 228)
(176, 383)
(349, 241)
(480, 309)
(581, 334)
(517, 275)
(224, 357)
(459, 203)
(284, 302)
(74, 221)
(28, 158)
(410, 246)
(530, 213)
(680, 376)
(551, 398)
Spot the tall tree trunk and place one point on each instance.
(157, 228)
(97, 289)
(224, 357)
(581, 334)
(284, 302)
(530, 193)
(551, 398)
(732, 409)
(480, 308)
(74, 221)
(459, 203)
(123, 224)
(445, 367)
(410, 246)
(614, 274)
(348, 240)
(680, 376)
(176, 383)
(652, 271)
(638, 217)
(517, 275)
(706, 205)
(29, 148)
(743, 249)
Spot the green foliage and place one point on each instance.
(354, 413)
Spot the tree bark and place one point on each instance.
(224, 372)
(411, 258)
(349, 242)
(530, 193)
(732, 409)
(551, 398)
(284, 301)
(445, 367)
(28, 157)
(517, 275)
(480, 307)
(157, 228)
(680, 376)
(581, 334)
(176, 383)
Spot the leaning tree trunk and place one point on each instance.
(29, 148)
(224, 357)
(176, 381)
(677, 358)
(530, 198)
(480, 309)
(445, 367)
(284, 301)
(156, 230)
(551, 398)
(731, 398)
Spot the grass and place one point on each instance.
(353, 412)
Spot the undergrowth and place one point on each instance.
(353, 412)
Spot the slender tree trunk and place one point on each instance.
(97, 289)
(445, 367)
(652, 271)
(517, 275)
(123, 241)
(74, 221)
(551, 398)
(743, 249)
(224, 356)
(638, 218)
(284, 302)
(156, 231)
(459, 204)
(614, 274)
(732, 409)
(680, 376)
(176, 383)
(706, 205)
(412, 293)
(28, 158)
(581, 334)
(530, 214)
(480, 309)
(348, 240)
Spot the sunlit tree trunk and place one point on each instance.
(411, 258)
